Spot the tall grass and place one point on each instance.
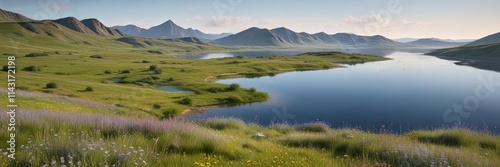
(56, 139)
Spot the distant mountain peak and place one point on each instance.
(99, 28)
(281, 28)
(171, 30)
(130, 29)
(75, 25)
(435, 43)
(253, 36)
(169, 22)
(321, 33)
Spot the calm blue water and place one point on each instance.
(173, 89)
(412, 91)
(282, 52)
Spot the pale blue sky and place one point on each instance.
(454, 19)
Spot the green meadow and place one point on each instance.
(128, 77)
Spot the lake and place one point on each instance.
(412, 91)
(287, 52)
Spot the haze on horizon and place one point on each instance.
(447, 19)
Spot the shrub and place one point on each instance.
(96, 56)
(145, 61)
(233, 99)
(108, 72)
(252, 90)
(214, 90)
(233, 87)
(170, 79)
(154, 52)
(125, 71)
(221, 124)
(36, 54)
(158, 71)
(156, 106)
(318, 127)
(51, 85)
(187, 101)
(32, 68)
(5, 68)
(89, 89)
(153, 67)
(169, 113)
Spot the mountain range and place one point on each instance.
(250, 37)
(167, 30)
(88, 26)
(483, 53)
(434, 42)
(406, 40)
(282, 37)
(487, 47)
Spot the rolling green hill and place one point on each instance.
(482, 56)
(6, 16)
(490, 39)
(489, 51)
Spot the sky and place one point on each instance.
(446, 19)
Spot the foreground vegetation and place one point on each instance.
(70, 139)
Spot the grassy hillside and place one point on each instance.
(56, 139)
(490, 51)
(137, 81)
(483, 56)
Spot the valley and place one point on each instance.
(91, 94)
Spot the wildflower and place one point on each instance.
(62, 160)
(53, 162)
